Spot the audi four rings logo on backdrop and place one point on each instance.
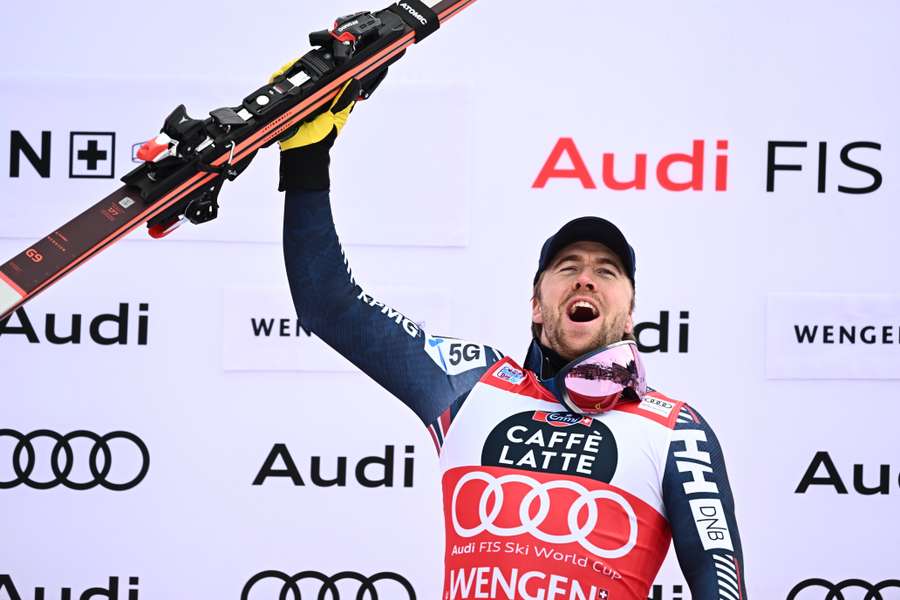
(492, 495)
(322, 587)
(28, 452)
(825, 590)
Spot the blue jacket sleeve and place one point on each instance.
(700, 509)
(430, 374)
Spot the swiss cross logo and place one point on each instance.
(92, 155)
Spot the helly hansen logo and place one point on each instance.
(706, 507)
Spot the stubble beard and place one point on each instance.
(611, 330)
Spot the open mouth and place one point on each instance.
(582, 311)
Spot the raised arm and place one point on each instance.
(430, 374)
(700, 509)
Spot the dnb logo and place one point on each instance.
(349, 585)
(856, 589)
(64, 452)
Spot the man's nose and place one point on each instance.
(585, 280)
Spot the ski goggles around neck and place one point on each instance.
(595, 382)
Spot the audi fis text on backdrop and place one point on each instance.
(92, 155)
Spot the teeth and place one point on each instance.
(583, 304)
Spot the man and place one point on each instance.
(565, 479)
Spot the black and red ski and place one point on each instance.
(186, 165)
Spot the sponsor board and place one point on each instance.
(262, 333)
(833, 336)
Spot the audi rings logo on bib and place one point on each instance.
(79, 460)
(347, 585)
(856, 589)
(582, 510)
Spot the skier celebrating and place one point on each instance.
(563, 479)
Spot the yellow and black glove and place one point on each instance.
(305, 152)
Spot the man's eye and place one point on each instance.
(567, 268)
(607, 272)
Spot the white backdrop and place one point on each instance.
(455, 246)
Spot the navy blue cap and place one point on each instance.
(591, 229)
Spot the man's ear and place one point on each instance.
(536, 315)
